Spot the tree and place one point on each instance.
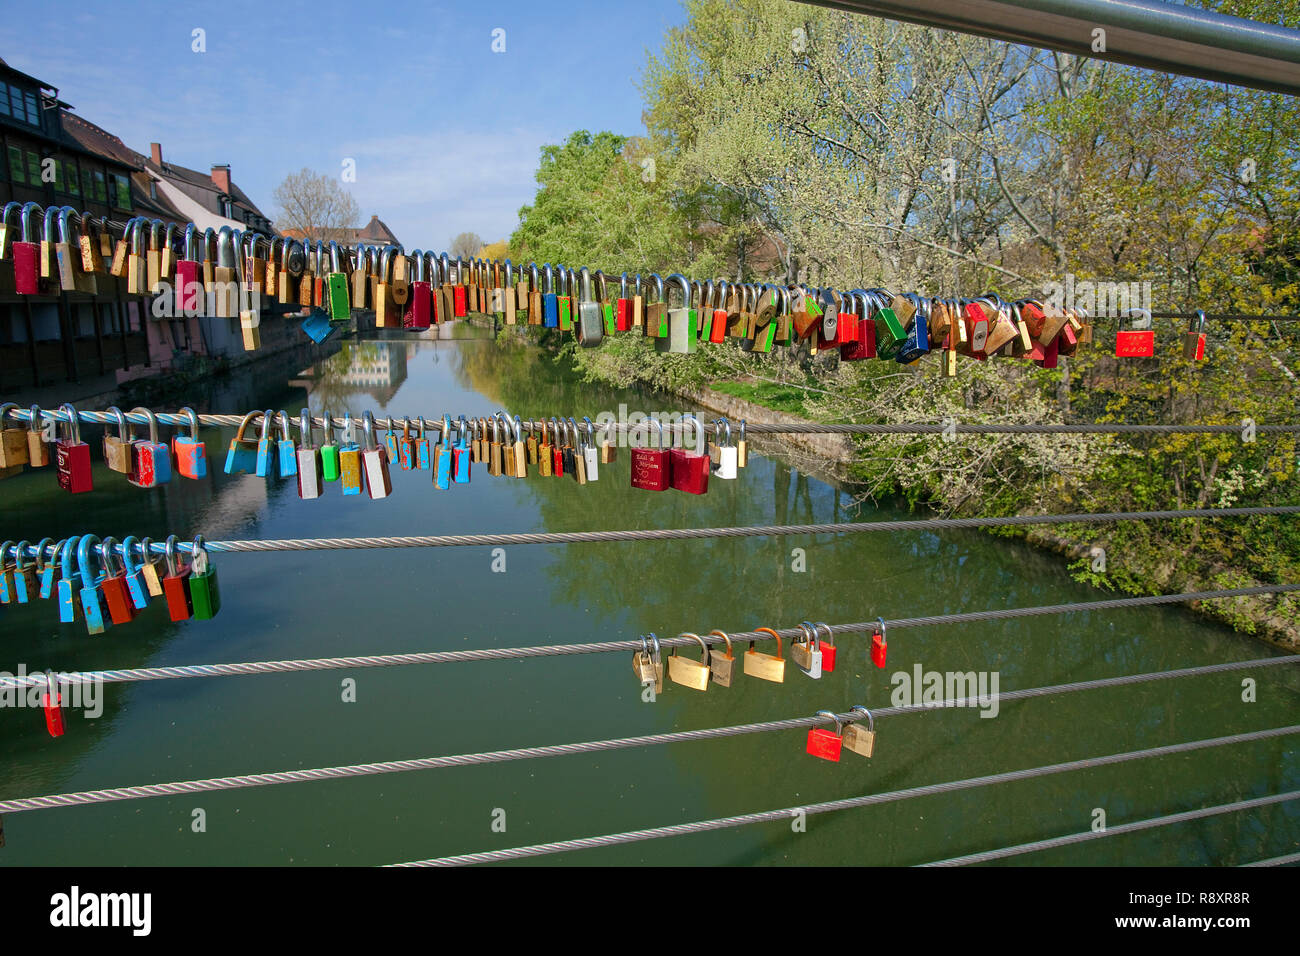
(466, 245)
(315, 205)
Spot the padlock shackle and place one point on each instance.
(685, 285)
(66, 215)
(74, 421)
(830, 635)
(171, 557)
(417, 266)
(768, 630)
(265, 433)
(1197, 322)
(69, 555)
(1141, 319)
(871, 721)
(27, 219)
(726, 637)
(129, 542)
(193, 419)
(243, 425)
(282, 420)
(107, 554)
(839, 726)
(327, 427)
(84, 561)
(152, 419)
(699, 640)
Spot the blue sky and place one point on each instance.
(445, 133)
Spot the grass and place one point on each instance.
(783, 398)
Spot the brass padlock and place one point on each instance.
(38, 450)
(13, 441)
(722, 664)
(769, 667)
(859, 740)
(689, 673)
(118, 451)
(648, 665)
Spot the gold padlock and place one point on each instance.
(648, 665)
(13, 441)
(38, 452)
(859, 740)
(689, 673)
(769, 667)
(722, 664)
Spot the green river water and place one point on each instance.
(290, 605)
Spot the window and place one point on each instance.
(33, 169)
(70, 177)
(101, 192)
(17, 172)
(121, 190)
(153, 189)
(22, 105)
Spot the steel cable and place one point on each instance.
(556, 750)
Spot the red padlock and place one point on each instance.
(688, 470)
(121, 608)
(1194, 342)
(623, 307)
(189, 277)
(419, 307)
(827, 647)
(846, 328)
(458, 297)
(1045, 355)
(191, 453)
(651, 467)
(863, 345)
(879, 646)
(826, 744)
(27, 274)
(176, 585)
(72, 456)
(1139, 342)
(977, 328)
(52, 704)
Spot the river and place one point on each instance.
(289, 605)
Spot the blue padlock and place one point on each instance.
(68, 605)
(93, 604)
(917, 342)
(442, 477)
(6, 575)
(264, 451)
(287, 453)
(25, 580)
(48, 570)
(242, 455)
(550, 301)
(318, 326)
(422, 447)
(134, 582)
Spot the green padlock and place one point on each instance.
(336, 291)
(329, 452)
(565, 302)
(205, 596)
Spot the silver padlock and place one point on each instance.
(807, 653)
(590, 453)
(591, 320)
(374, 461)
(728, 465)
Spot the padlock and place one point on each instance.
(52, 705)
(362, 262)
(266, 451)
(13, 441)
(406, 447)
(689, 673)
(509, 463)
(286, 455)
(153, 257)
(188, 283)
(558, 457)
(917, 342)
(67, 254)
(651, 467)
(823, 743)
(769, 667)
(38, 451)
(567, 281)
(827, 647)
(152, 463)
(117, 596)
(683, 327)
(310, 480)
(390, 441)
(977, 326)
(689, 470)
(805, 315)
(806, 651)
(374, 461)
(742, 447)
(250, 327)
(863, 344)
(856, 738)
(648, 665)
(656, 309)
(118, 453)
(418, 313)
(550, 300)
(293, 265)
(461, 455)
(350, 471)
(386, 311)
(176, 584)
(336, 288)
(1194, 341)
(495, 454)
(577, 452)
(135, 584)
(443, 455)
(590, 453)
(205, 595)
(591, 319)
(149, 568)
(460, 291)
(608, 450)
(72, 456)
(9, 227)
(49, 567)
(1140, 342)
(94, 606)
(1002, 330)
(317, 326)
(26, 585)
(224, 296)
(242, 455)
(423, 448)
(191, 453)
(25, 251)
(879, 646)
(717, 315)
(722, 664)
(68, 584)
(728, 465)
(521, 451)
(329, 450)
(623, 307)
(7, 569)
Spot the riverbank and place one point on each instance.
(828, 458)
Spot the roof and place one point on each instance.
(375, 232)
(97, 140)
(198, 186)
